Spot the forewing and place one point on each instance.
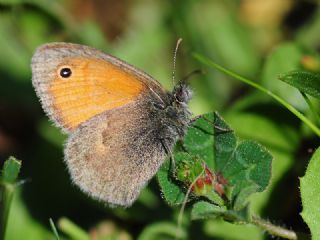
(99, 82)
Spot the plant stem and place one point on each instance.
(8, 179)
(298, 114)
(54, 229)
(312, 108)
(5, 202)
(274, 230)
(277, 230)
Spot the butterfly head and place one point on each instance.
(176, 115)
(182, 93)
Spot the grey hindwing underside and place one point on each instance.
(113, 155)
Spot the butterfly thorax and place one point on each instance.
(174, 117)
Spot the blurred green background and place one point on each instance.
(256, 38)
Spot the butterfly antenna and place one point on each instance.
(174, 60)
(191, 74)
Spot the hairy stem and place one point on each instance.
(277, 230)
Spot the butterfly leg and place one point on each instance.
(222, 130)
(171, 157)
(195, 119)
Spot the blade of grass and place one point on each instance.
(72, 230)
(54, 229)
(8, 179)
(280, 100)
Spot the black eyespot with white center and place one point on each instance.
(65, 72)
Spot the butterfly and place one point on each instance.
(121, 123)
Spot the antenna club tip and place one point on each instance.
(174, 58)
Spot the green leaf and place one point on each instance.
(188, 167)
(224, 145)
(310, 195)
(254, 166)
(279, 137)
(246, 165)
(307, 82)
(10, 171)
(199, 139)
(205, 210)
(171, 190)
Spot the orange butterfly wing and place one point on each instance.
(93, 87)
(98, 82)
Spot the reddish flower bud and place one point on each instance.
(208, 172)
(219, 189)
(208, 180)
(200, 183)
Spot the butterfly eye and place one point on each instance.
(65, 72)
